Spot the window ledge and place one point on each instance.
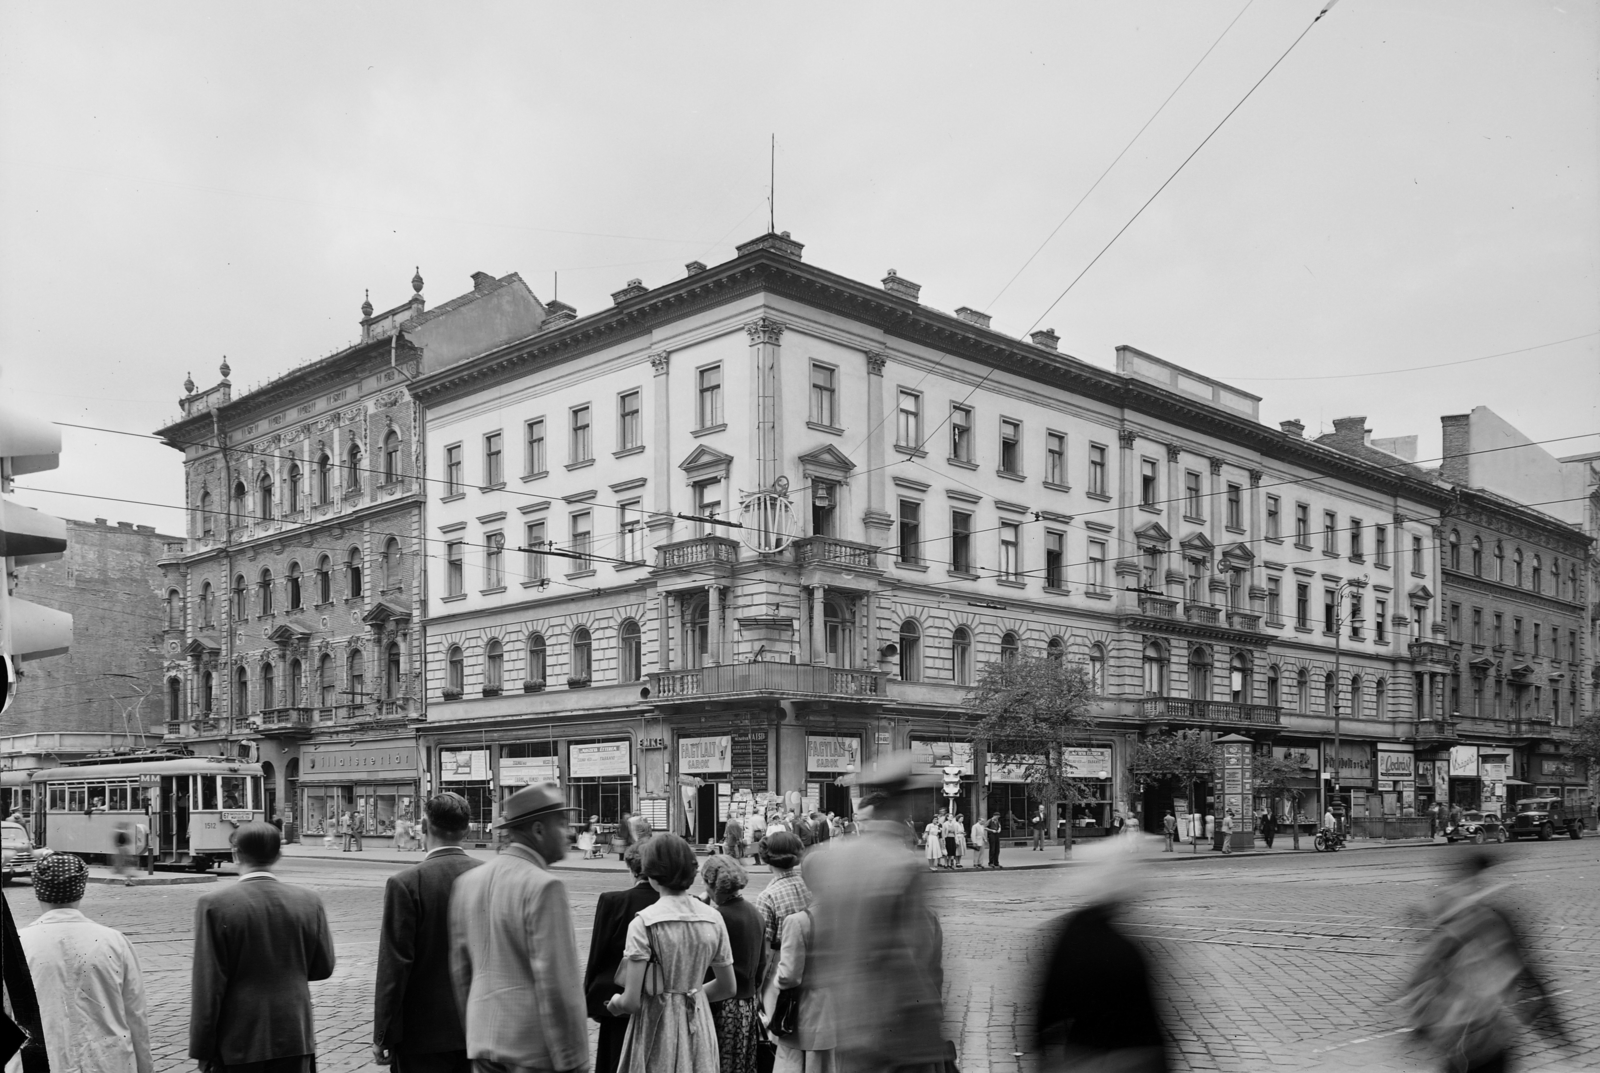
(1272, 623)
(581, 464)
(1194, 519)
(964, 575)
(1418, 573)
(581, 573)
(1302, 629)
(627, 451)
(1054, 487)
(1010, 475)
(1234, 529)
(526, 477)
(452, 497)
(709, 429)
(914, 452)
(1302, 547)
(1093, 595)
(1101, 496)
(820, 427)
(1380, 565)
(1057, 590)
(1010, 583)
(1358, 559)
(1273, 539)
(962, 462)
(623, 567)
(452, 599)
(536, 583)
(1149, 509)
(491, 592)
(495, 487)
(919, 567)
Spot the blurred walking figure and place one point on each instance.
(1464, 995)
(416, 1024)
(613, 913)
(809, 1049)
(737, 1018)
(670, 947)
(86, 976)
(878, 949)
(1096, 1004)
(258, 944)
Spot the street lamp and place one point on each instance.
(1346, 587)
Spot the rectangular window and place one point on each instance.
(582, 529)
(1572, 646)
(1147, 483)
(629, 431)
(1330, 613)
(582, 445)
(708, 504)
(1097, 566)
(1010, 551)
(630, 531)
(1455, 622)
(493, 472)
(533, 557)
(1302, 524)
(1477, 625)
(1010, 446)
(1536, 628)
(1380, 545)
(908, 432)
(910, 531)
(452, 469)
(494, 561)
(1191, 494)
(961, 433)
(1516, 635)
(1235, 518)
(1499, 630)
(1097, 470)
(1055, 560)
(1055, 458)
(710, 395)
(824, 397)
(1357, 548)
(455, 576)
(1380, 621)
(1330, 531)
(533, 461)
(1275, 599)
(1274, 532)
(961, 541)
(1355, 616)
(1416, 555)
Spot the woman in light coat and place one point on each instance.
(810, 1048)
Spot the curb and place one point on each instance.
(1211, 854)
(157, 880)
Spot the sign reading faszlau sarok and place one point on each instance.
(705, 756)
(832, 756)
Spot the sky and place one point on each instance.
(1414, 186)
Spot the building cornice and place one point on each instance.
(1477, 507)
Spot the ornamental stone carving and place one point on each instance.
(1173, 451)
(1126, 437)
(660, 360)
(1216, 467)
(876, 360)
(764, 330)
(1255, 477)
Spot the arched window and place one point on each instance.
(1010, 647)
(1572, 582)
(358, 677)
(325, 682)
(324, 580)
(353, 571)
(236, 510)
(207, 518)
(697, 634)
(838, 635)
(1155, 669)
(391, 671)
(1199, 673)
(582, 656)
(391, 457)
(292, 492)
(208, 693)
(324, 477)
(1302, 691)
(455, 670)
(265, 586)
(296, 599)
(174, 700)
(174, 609)
(241, 693)
(910, 651)
(1239, 679)
(534, 671)
(1555, 577)
(207, 611)
(295, 684)
(1499, 561)
(1097, 669)
(1516, 568)
(1330, 694)
(1055, 649)
(1357, 701)
(391, 563)
(264, 497)
(961, 655)
(237, 611)
(630, 652)
(1380, 697)
(1477, 556)
(494, 660)
(1538, 574)
(1455, 550)
(352, 477)
(1274, 687)
(269, 685)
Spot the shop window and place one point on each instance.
(534, 672)
(961, 655)
(910, 651)
(582, 657)
(630, 652)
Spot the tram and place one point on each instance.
(183, 809)
(16, 793)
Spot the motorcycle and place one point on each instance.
(1328, 840)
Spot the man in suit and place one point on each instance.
(416, 1025)
(513, 955)
(612, 915)
(258, 944)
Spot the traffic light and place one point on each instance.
(27, 537)
(952, 782)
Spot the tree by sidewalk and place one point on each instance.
(1030, 711)
(1184, 759)
(1272, 774)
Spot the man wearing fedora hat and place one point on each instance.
(513, 954)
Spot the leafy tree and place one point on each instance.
(1272, 775)
(1586, 739)
(1030, 710)
(1184, 758)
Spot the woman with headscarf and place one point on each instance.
(737, 1018)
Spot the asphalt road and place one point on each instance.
(1287, 962)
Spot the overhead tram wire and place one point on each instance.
(1420, 368)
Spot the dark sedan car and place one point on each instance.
(1477, 827)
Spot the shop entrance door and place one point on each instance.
(174, 816)
(705, 813)
(834, 799)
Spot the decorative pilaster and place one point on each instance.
(714, 624)
(819, 642)
(664, 631)
(877, 519)
(661, 475)
(766, 445)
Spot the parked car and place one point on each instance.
(17, 855)
(1477, 827)
(1545, 817)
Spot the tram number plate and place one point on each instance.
(238, 817)
(149, 780)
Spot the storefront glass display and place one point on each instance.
(600, 778)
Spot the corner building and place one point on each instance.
(917, 495)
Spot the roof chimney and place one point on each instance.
(1347, 432)
(1293, 428)
(780, 244)
(1455, 466)
(480, 280)
(972, 316)
(894, 283)
(557, 312)
(694, 268)
(633, 290)
(1047, 339)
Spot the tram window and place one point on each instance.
(58, 797)
(119, 799)
(234, 793)
(97, 798)
(208, 792)
(77, 798)
(257, 800)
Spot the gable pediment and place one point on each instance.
(204, 644)
(705, 460)
(828, 457)
(287, 633)
(1420, 594)
(1152, 533)
(1196, 541)
(384, 611)
(1238, 553)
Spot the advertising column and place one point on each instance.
(1236, 777)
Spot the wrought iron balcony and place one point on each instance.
(777, 679)
(831, 551)
(1210, 712)
(700, 551)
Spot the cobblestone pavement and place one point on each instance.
(1283, 962)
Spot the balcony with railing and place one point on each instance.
(1158, 607)
(1246, 621)
(1202, 614)
(287, 721)
(1437, 652)
(1209, 712)
(1436, 731)
(698, 551)
(831, 551)
(769, 679)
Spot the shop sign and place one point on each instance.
(1309, 757)
(529, 770)
(1394, 763)
(596, 759)
(463, 765)
(400, 759)
(833, 756)
(1355, 762)
(705, 756)
(1557, 769)
(932, 757)
(1463, 761)
(1494, 772)
(1088, 763)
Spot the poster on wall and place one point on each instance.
(463, 765)
(598, 759)
(705, 756)
(529, 770)
(1307, 756)
(1089, 763)
(1463, 761)
(832, 756)
(1425, 775)
(1395, 763)
(933, 756)
(1016, 771)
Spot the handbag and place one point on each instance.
(785, 1013)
